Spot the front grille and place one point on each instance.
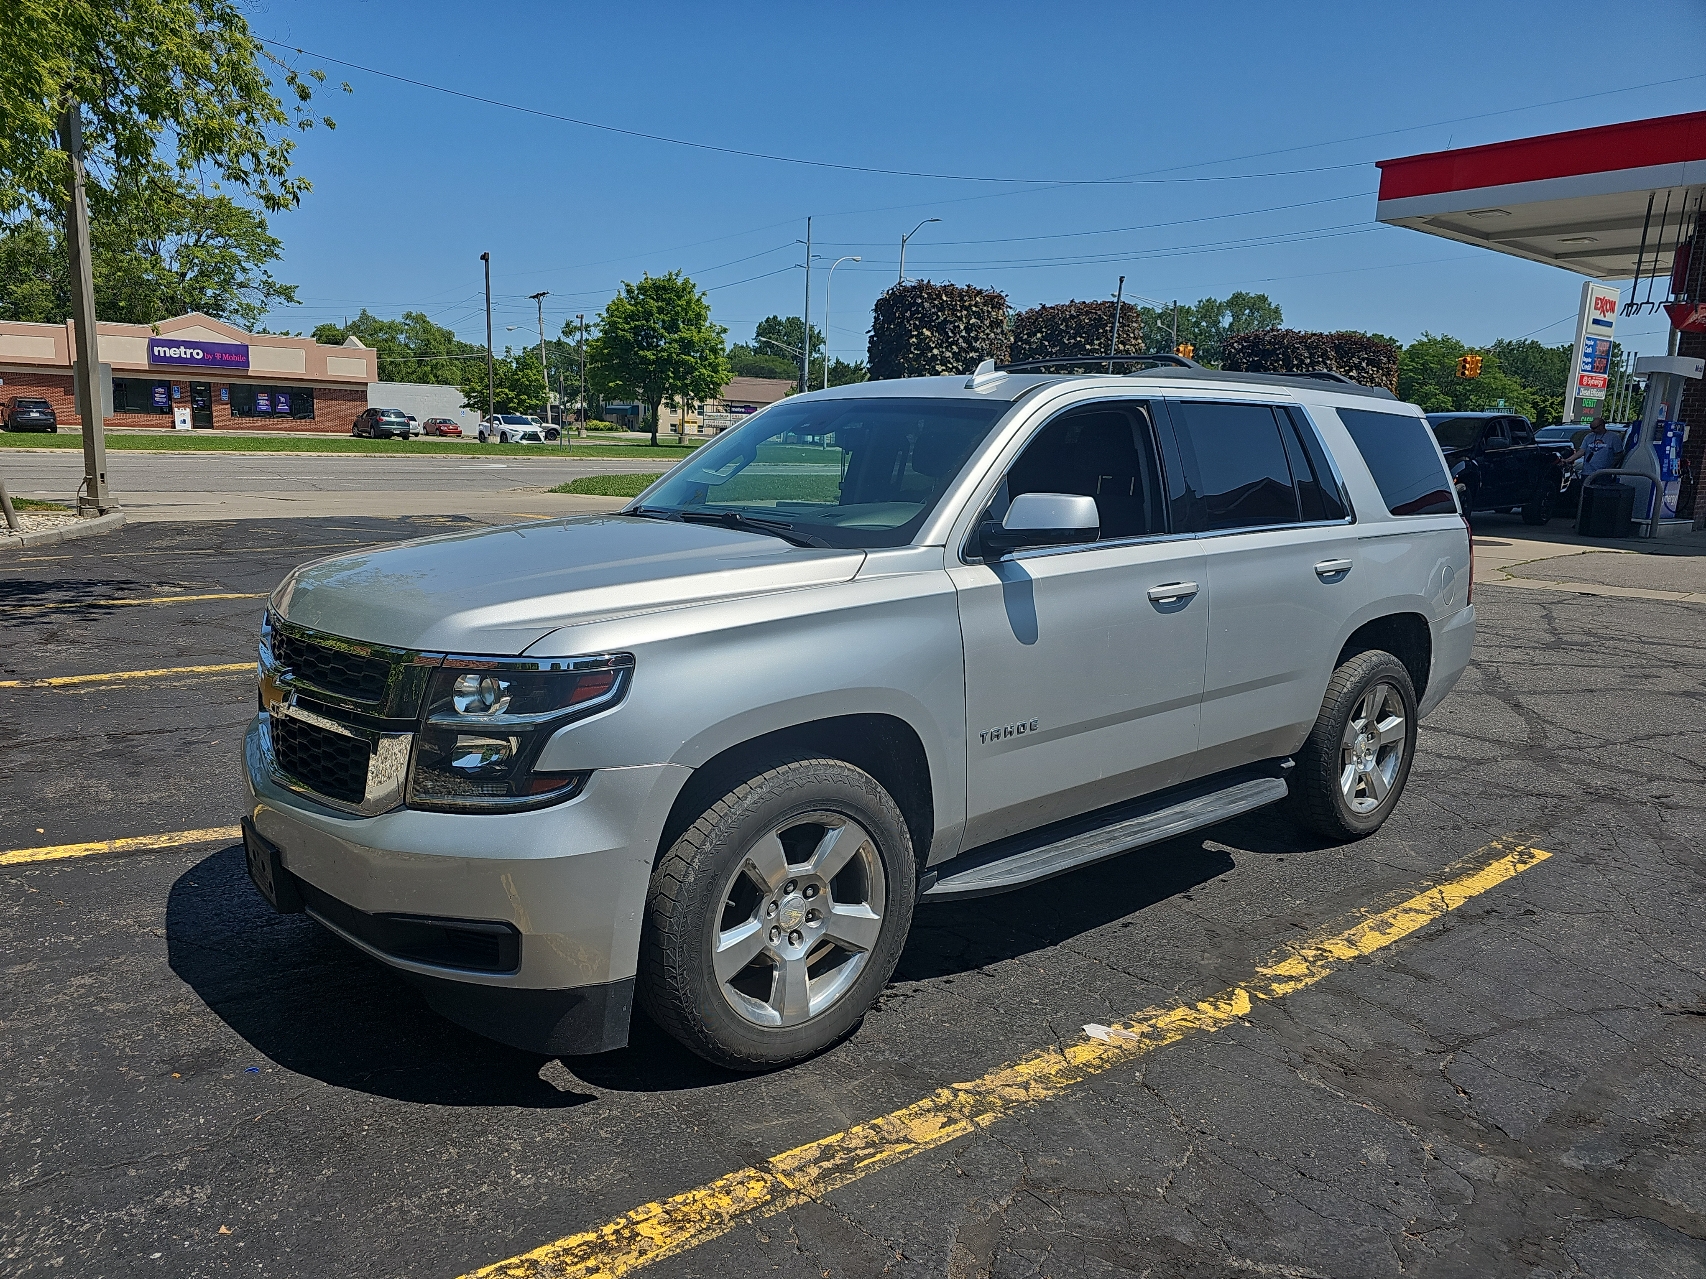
(333, 669)
(326, 762)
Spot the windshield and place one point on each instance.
(1455, 432)
(392, 413)
(30, 404)
(512, 419)
(856, 472)
(1555, 434)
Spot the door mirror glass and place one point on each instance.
(1493, 442)
(1042, 519)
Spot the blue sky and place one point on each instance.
(1239, 134)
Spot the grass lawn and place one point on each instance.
(608, 485)
(198, 442)
(31, 504)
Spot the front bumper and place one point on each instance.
(570, 879)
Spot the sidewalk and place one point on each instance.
(1555, 558)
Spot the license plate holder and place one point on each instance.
(266, 869)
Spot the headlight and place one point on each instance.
(487, 719)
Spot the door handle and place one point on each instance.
(1332, 568)
(1172, 592)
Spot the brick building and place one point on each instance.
(226, 377)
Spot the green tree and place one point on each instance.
(785, 337)
(1427, 376)
(656, 340)
(841, 373)
(154, 256)
(518, 383)
(746, 362)
(1207, 323)
(1544, 370)
(412, 349)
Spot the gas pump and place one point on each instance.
(1654, 449)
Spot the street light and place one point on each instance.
(901, 278)
(828, 281)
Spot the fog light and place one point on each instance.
(482, 755)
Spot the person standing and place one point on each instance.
(1597, 451)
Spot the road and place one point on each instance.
(223, 486)
(1510, 1083)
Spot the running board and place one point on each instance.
(1042, 854)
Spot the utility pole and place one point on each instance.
(582, 319)
(1175, 326)
(1114, 337)
(491, 377)
(93, 498)
(806, 316)
(901, 277)
(539, 299)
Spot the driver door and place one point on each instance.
(1083, 663)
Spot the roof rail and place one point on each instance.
(1318, 375)
(1158, 357)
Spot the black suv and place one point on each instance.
(30, 413)
(1497, 465)
(380, 424)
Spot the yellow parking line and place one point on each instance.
(130, 844)
(672, 1226)
(66, 681)
(158, 599)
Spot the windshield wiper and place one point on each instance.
(651, 512)
(751, 524)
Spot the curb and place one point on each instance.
(93, 527)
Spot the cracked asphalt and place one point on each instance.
(196, 1087)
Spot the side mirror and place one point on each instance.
(1494, 442)
(1041, 519)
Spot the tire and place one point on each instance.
(1336, 783)
(746, 872)
(1538, 509)
(482, 437)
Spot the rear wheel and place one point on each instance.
(775, 920)
(1351, 771)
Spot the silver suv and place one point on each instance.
(887, 643)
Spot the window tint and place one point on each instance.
(1236, 461)
(1106, 452)
(1406, 467)
(1520, 433)
(1319, 496)
(1496, 431)
(1455, 432)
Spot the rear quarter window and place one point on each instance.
(1404, 461)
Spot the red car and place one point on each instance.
(441, 426)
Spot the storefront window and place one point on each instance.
(294, 402)
(141, 395)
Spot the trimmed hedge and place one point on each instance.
(923, 329)
(1371, 361)
(1070, 329)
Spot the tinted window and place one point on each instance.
(1520, 431)
(1106, 452)
(1406, 467)
(1455, 432)
(1319, 496)
(34, 405)
(1235, 459)
(855, 471)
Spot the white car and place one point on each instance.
(510, 428)
(416, 430)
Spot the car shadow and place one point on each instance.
(321, 1008)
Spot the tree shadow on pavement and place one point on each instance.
(320, 1008)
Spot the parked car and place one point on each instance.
(511, 428)
(1497, 465)
(31, 413)
(415, 428)
(709, 751)
(441, 426)
(382, 424)
(1570, 480)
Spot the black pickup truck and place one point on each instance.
(1497, 465)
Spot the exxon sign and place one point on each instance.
(198, 354)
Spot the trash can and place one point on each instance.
(1607, 509)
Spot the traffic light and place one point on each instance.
(1468, 366)
(1185, 349)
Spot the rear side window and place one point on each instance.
(1235, 459)
(1318, 494)
(1403, 460)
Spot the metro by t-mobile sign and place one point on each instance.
(197, 354)
(1590, 361)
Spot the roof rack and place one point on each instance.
(1158, 357)
(1318, 375)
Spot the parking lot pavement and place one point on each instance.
(1511, 1086)
(173, 488)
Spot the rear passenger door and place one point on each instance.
(1284, 572)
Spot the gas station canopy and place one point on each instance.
(1611, 202)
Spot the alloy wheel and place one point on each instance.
(1372, 748)
(802, 913)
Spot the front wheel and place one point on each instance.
(1353, 766)
(775, 920)
(1538, 509)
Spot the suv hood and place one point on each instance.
(496, 591)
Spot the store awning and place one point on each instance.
(1584, 200)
